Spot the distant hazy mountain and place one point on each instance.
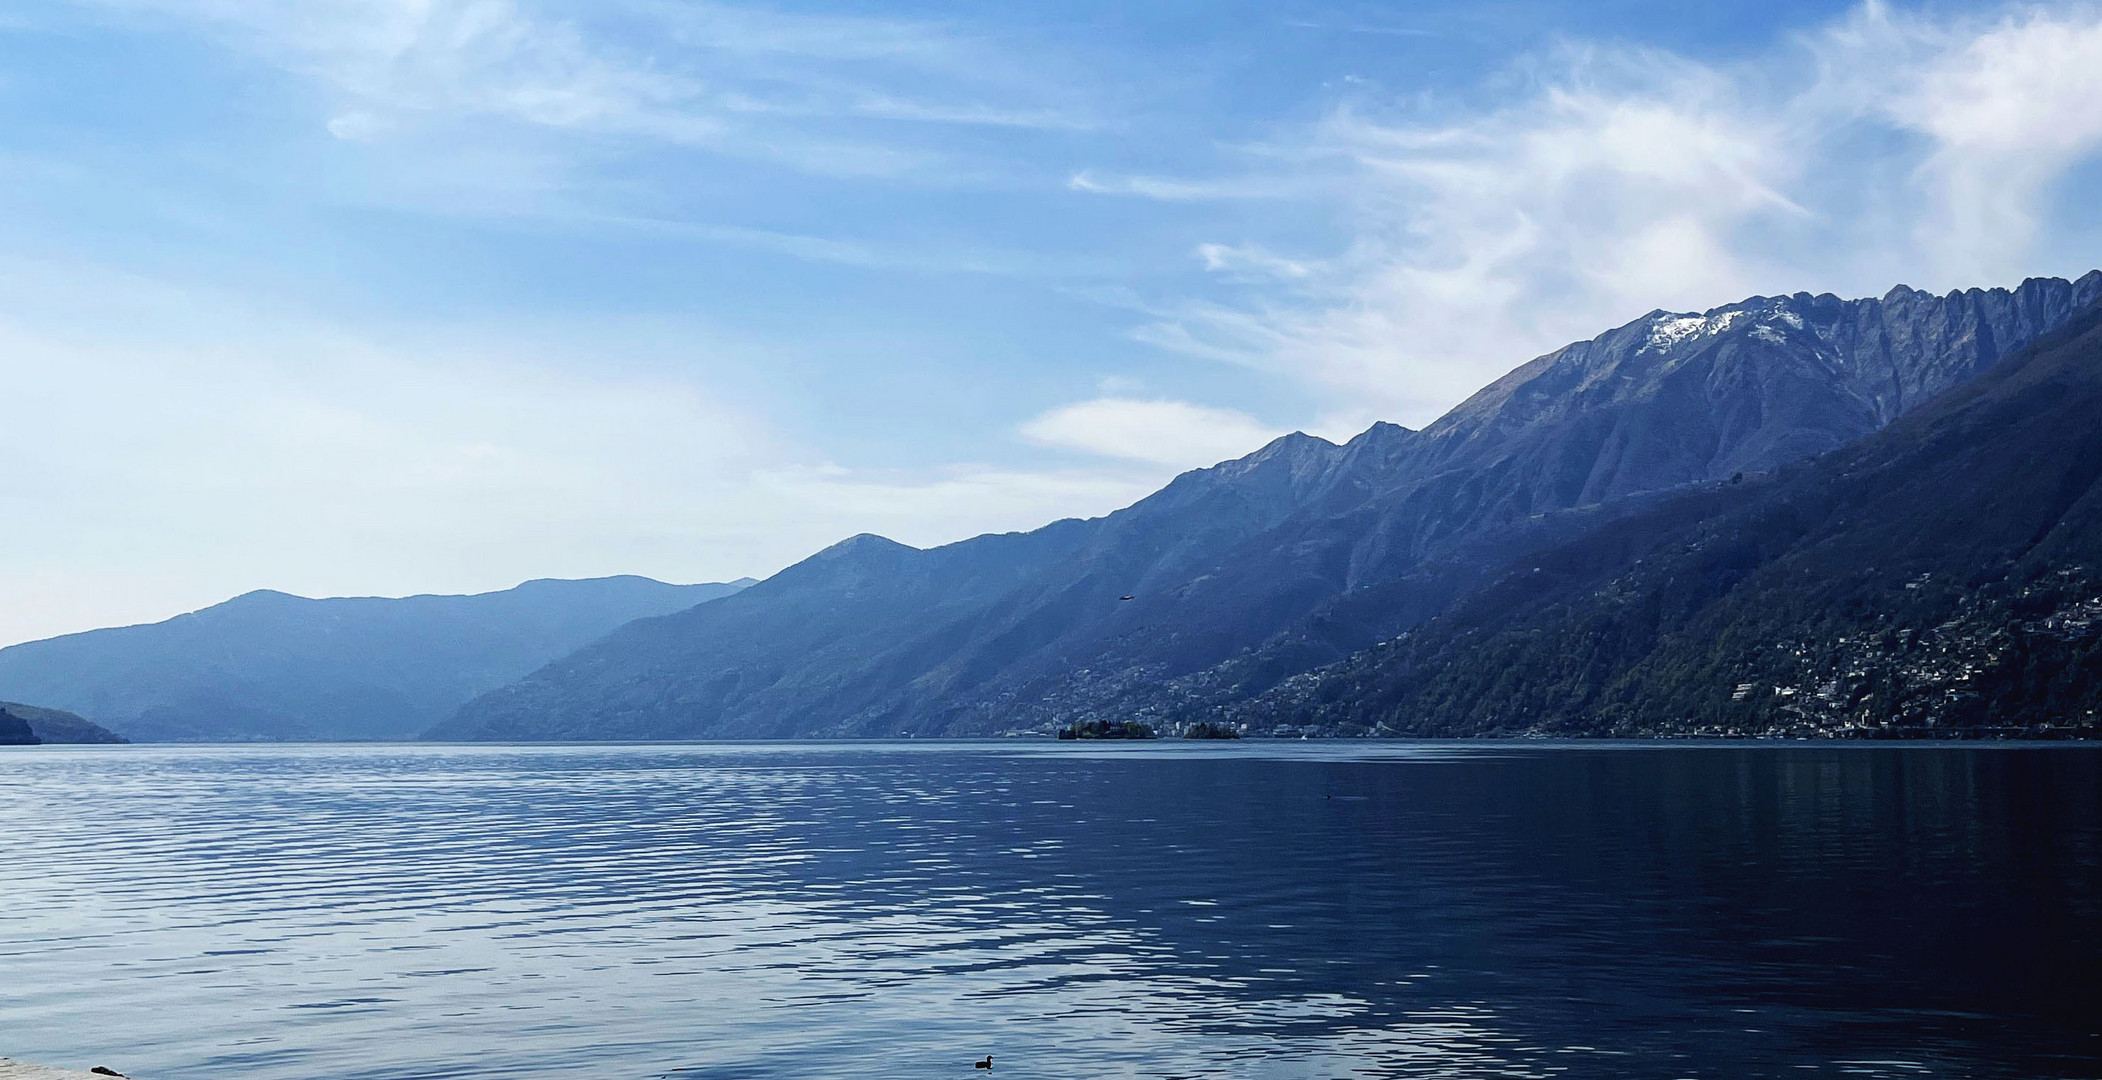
(267, 665)
(1942, 576)
(59, 726)
(1234, 577)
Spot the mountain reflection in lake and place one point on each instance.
(1281, 910)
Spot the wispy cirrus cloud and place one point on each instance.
(1187, 189)
(1886, 147)
(2003, 111)
(736, 80)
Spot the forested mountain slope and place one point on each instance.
(1941, 577)
(59, 726)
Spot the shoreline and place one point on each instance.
(10, 1069)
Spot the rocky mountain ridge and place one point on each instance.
(1938, 578)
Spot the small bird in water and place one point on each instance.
(1124, 598)
(104, 1070)
(986, 1064)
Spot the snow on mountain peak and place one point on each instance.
(1670, 329)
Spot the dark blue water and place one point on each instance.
(1284, 910)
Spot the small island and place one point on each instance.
(1107, 729)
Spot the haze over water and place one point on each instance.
(1257, 910)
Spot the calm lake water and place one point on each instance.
(1282, 910)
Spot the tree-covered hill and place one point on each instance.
(60, 726)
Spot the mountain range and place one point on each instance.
(269, 665)
(1199, 601)
(1794, 514)
(1940, 577)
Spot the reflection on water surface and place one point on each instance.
(1160, 911)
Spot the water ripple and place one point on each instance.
(336, 913)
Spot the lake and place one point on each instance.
(1336, 909)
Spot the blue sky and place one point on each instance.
(419, 295)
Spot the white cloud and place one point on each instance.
(2007, 112)
(1251, 262)
(919, 258)
(357, 126)
(1883, 148)
(1169, 433)
(941, 505)
(1172, 189)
